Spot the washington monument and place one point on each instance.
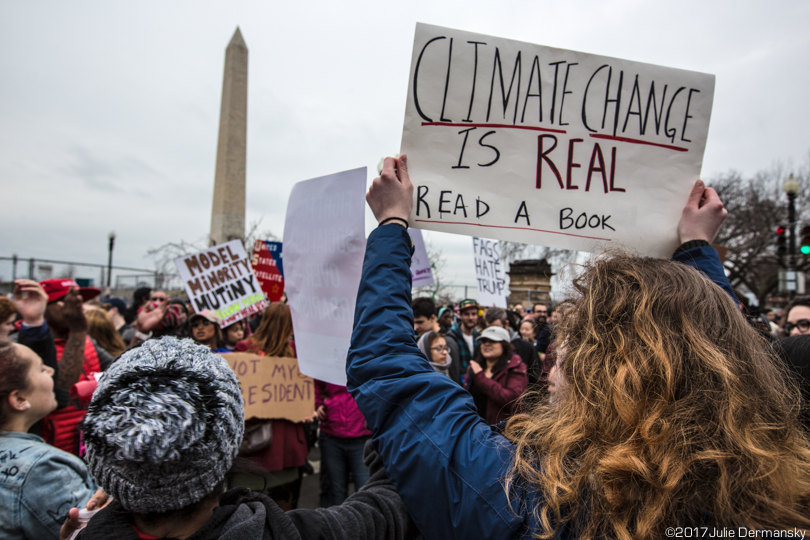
(228, 211)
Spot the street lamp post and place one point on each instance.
(791, 187)
(109, 260)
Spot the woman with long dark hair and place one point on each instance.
(204, 329)
(496, 377)
(39, 483)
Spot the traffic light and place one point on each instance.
(781, 240)
(804, 245)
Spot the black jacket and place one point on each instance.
(376, 511)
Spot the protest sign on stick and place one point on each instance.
(272, 387)
(421, 272)
(488, 272)
(269, 268)
(220, 279)
(548, 146)
(324, 245)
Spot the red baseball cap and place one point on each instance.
(58, 288)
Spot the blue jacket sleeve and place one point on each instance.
(706, 259)
(445, 461)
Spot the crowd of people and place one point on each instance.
(649, 399)
(58, 339)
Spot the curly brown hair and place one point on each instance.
(673, 413)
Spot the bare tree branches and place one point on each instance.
(756, 206)
(165, 255)
(254, 234)
(439, 291)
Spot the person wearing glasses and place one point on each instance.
(496, 377)
(434, 346)
(205, 330)
(798, 316)
(158, 296)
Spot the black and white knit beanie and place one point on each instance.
(164, 425)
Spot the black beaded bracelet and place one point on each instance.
(387, 220)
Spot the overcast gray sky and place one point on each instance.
(109, 111)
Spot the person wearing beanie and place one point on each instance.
(117, 309)
(446, 319)
(162, 431)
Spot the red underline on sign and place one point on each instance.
(514, 228)
(499, 126)
(638, 141)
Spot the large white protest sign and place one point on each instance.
(421, 272)
(324, 245)
(488, 272)
(220, 279)
(550, 147)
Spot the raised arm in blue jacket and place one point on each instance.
(445, 461)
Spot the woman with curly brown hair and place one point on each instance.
(668, 411)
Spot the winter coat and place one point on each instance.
(374, 512)
(456, 335)
(38, 485)
(500, 392)
(446, 462)
(60, 428)
(343, 418)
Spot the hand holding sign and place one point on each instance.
(391, 193)
(702, 216)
